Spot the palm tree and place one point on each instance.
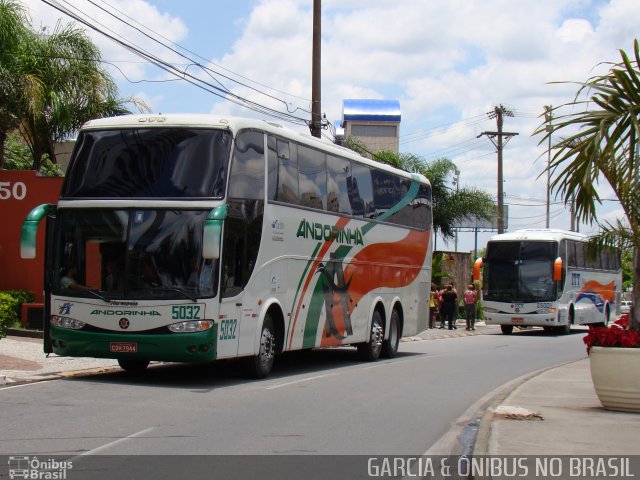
(75, 89)
(603, 130)
(12, 83)
(50, 84)
(449, 206)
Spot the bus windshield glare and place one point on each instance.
(149, 163)
(132, 254)
(520, 271)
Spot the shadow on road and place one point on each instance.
(225, 373)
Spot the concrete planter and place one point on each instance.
(616, 377)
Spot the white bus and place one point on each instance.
(545, 278)
(188, 238)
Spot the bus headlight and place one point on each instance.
(491, 310)
(191, 326)
(67, 322)
(546, 310)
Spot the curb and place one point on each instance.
(481, 443)
(20, 332)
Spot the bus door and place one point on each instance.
(229, 326)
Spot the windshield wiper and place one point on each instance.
(179, 290)
(96, 294)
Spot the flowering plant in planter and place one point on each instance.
(615, 335)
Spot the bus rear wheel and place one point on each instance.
(133, 365)
(506, 329)
(371, 350)
(390, 346)
(261, 364)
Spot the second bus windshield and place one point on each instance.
(520, 271)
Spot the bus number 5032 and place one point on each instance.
(185, 312)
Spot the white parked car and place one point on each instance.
(625, 306)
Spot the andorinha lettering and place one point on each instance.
(132, 313)
(318, 231)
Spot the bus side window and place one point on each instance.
(283, 171)
(360, 190)
(338, 172)
(312, 178)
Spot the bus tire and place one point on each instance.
(133, 365)
(566, 329)
(390, 346)
(260, 365)
(607, 317)
(370, 351)
(506, 329)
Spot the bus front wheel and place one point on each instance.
(566, 329)
(370, 351)
(261, 364)
(133, 365)
(506, 329)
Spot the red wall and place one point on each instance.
(20, 192)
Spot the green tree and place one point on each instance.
(75, 89)
(602, 128)
(58, 83)
(13, 84)
(449, 205)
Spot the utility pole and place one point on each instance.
(548, 117)
(316, 118)
(499, 113)
(456, 180)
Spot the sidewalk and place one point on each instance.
(22, 360)
(556, 412)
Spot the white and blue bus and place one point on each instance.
(187, 238)
(545, 278)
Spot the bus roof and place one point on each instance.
(235, 124)
(539, 234)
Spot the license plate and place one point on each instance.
(123, 347)
(517, 320)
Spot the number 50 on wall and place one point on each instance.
(18, 190)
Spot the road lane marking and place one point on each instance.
(37, 382)
(308, 379)
(115, 442)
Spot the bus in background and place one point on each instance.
(187, 238)
(545, 278)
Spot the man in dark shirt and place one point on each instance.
(449, 308)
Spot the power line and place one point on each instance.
(219, 91)
(156, 34)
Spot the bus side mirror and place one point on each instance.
(557, 270)
(212, 232)
(29, 231)
(477, 266)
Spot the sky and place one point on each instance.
(448, 62)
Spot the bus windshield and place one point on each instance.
(149, 163)
(520, 271)
(132, 254)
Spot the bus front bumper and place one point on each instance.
(169, 347)
(525, 320)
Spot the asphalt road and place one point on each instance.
(322, 402)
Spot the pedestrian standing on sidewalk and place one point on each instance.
(441, 315)
(434, 306)
(470, 298)
(449, 307)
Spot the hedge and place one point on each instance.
(11, 307)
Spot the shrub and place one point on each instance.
(11, 308)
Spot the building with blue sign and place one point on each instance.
(375, 122)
